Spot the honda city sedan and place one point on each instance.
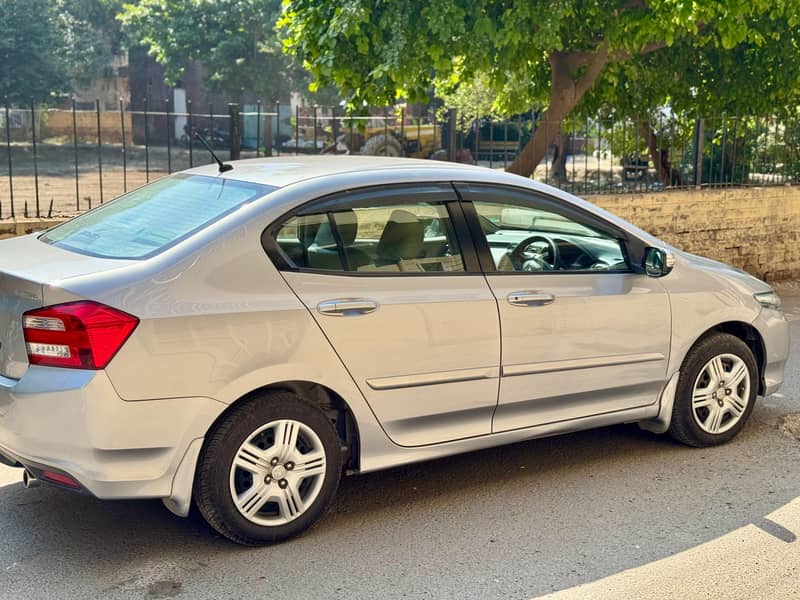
(241, 337)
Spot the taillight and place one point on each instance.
(76, 335)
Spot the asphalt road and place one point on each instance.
(610, 513)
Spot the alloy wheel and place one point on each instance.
(721, 393)
(277, 473)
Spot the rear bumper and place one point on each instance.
(73, 421)
(774, 330)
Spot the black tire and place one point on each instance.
(684, 427)
(382, 145)
(212, 491)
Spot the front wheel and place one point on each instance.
(268, 470)
(716, 391)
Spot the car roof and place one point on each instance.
(339, 172)
(287, 170)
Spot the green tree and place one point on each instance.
(235, 40)
(91, 36)
(759, 77)
(45, 46)
(32, 66)
(534, 53)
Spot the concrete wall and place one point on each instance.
(756, 229)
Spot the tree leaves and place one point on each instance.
(373, 49)
(234, 39)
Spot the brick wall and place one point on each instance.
(756, 229)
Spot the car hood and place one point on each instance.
(732, 273)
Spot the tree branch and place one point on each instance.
(623, 55)
(571, 61)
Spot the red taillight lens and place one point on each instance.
(77, 335)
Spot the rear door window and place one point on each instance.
(385, 238)
(149, 220)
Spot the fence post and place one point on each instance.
(268, 135)
(124, 156)
(99, 150)
(296, 129)
(146, 144)
(334, 129)
(258, 129)
(35, 159)
(451, 134)
(277, 139)
(315, 128)
(75, 151)
(235, 132)
(169, 135)
(385, 131)
(10, 175)
(190, 132)
(699, 136)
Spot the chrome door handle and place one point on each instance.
(347, 307)
(530, 298)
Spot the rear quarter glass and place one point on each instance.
(149, 220)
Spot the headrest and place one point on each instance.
(402, 238)
(346, 223)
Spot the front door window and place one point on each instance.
(531, 239)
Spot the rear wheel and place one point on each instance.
(268, 470)
(716, 391)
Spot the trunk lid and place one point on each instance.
(27, 267)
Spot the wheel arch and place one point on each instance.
(328, 400)
(750, 336)
(739, 329)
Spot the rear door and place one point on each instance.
(391, 279)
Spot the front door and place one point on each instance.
(582, 333)
(384, 275)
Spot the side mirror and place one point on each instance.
(658, 262)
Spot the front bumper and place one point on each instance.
(74, 422)
(774, 330)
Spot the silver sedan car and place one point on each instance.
(239, 338)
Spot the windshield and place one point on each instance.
(531, 220)
(149, 220)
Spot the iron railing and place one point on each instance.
(66, 160)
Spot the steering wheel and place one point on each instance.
(541, 258)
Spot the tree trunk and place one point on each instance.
(559, 170)
(660, 157)
(566, 90)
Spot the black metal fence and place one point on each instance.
(64, 161)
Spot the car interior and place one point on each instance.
(528, 239)
(391, 239)
(420, 238)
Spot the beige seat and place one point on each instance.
(402, 239)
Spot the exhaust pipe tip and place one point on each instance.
(28, 480)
